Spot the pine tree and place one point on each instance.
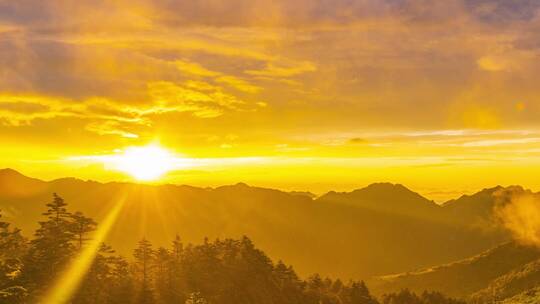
(122, 288)
(175, 292)
(290, 286)
(52, 246)
(57, 212)
(357, 292)
(98, 279)
(403, 297)
(162, 283)
(144, 257)
(82, 225)
(177, 248)
(12, 247)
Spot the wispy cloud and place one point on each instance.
(336, 79)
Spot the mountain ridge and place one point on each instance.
(10, 172)
(365, 228)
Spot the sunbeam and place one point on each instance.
(67, 285)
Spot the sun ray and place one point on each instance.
(162, 213)
(70, 280)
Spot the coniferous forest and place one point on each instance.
(225, 271)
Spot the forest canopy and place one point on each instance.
(220, 271)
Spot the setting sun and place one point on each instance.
(144, 163)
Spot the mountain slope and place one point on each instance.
(517, 281)
(461, 279)
(350, 239)
(531, 296)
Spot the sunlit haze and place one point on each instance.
(425, 95)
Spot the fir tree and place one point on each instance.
(52, 246)
(81, 226)
(144, 258)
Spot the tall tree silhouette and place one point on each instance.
(81, 226)
(175, 279)
(12, 247)
(144, 258)
(122, 287)
(52, 246)
(99, 278)
(162, 284)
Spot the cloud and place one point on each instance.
(104, 116)
(497, 142)
(358, 140)
(23, 107)
(290, 70)
(348, 65)
(502, 11)
(200, 85)
(172, 97)
(218, 77)
(492, 64)
(238, 84)
(103, 108)
(509, 60)
(302, 14)
(194, 69)
(519, 212)
(110, 128)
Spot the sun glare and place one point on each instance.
(145, 163)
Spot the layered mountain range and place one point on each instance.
(377, 230)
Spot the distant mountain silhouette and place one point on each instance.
(387, 197)
(477, 208)
(380, 229)
(303, 193)
(13, 183)
(482, 274)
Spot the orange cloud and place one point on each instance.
(290, 70)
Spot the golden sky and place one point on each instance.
(441, 96)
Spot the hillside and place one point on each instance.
(463, 278)
(517, 281)
(372, 231)
(531, 296)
